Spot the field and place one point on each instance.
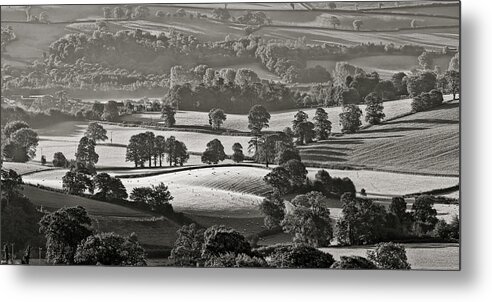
(425, 142)
(64, 137)
(279, 119)
(422, 256)
(386, 66)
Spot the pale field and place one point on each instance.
(428, 256)
(385, 65)
(237, 191)
(64, 138)
(279, 119)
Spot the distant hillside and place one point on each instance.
(425, 142)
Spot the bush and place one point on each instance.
(297, 256)
(427, 100)
(353, 262)
(389, 255)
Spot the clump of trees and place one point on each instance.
(427, 100)
(146, 147)
(19, 142)
(156, 197)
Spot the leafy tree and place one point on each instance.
(389, 255)
(303, 129)
(214, 152)
(332, 5)
(156, 197)
(217, 117)
(187, 249)
(106, 12)
(273, 208)
(309, 220)
(335, 21)
(86, 152)
(118, 12)
(322, 126)
(424, 215)
(235, 260)
(26, 140)
(135, 150)
(398, 79)
(323, 182)
(64, 229)
(110, 249)
(266, 147)
(43, 160)
(296, 256)
(258, 118)
(385, 89)
(454, 63)
(110, 112)
(181, 155)
(350, 96)
(221, 13)
(357, 24)
(286, 154)
(362, 221)
(237, 155)
(168, 113)
(77, 183)
(11, 127)
(297, 171)
(374, 109)
(350, 118)
(342, 185)
(423, 82)
(353, 262)
(279, 180)
(110, 188)
(427, 100)
(398, 218)
(453, 82)
(96, 132)
(141, 12)
(219, 240)
(425, 61)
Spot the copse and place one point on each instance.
(110, 188)
(422, 82)
(273, 207)
(156, 197)
(389, 255)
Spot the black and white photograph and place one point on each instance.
(274, 135)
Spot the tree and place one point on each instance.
(362, 221)
(273, 208)
(237, 155)
(86, 152)
(64, 229)
(334, 21)
(214, 152)
(453, 82)
(374, 109)
(106, 12)
(353, 262)
(302, 128)
(427, 100)
(424, 215)
(110, 112)
(118, 12)
(357, 24)
(181, 155)
(286, 154)
(279, 180)
(141, 12)
(398, 80)
(217, 117)
(332, 5)
(398, 218)
(25, 139)
(76, 183)
(156, 197)
(187, 249)
(389, 255)
(168, 113)
(219, 240)
(297, 172)
(110, 249)
(350, 118)
(135, 150)
(425, 61)
(309, 220)
(423, 82)
(110, 188)
(266, 147)
(160, 148)
(221, 14)
(322, 126)
(258, 118)
(96, 132)
(454, 63)
(11, 127)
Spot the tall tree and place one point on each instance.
(237, 155)
(350, 118)
(297, 171)
(279, 180)
(86, 152)
(374, 109)
(110, 188)
(168, 113)
(322, 126)
(217, 118)
(160, 148)
(258, 118)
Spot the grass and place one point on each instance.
(25, 168)
(425, 142)
(54, 200)
(278, 121)
(429, 256)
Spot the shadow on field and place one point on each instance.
(395, 129)
(425, 121)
